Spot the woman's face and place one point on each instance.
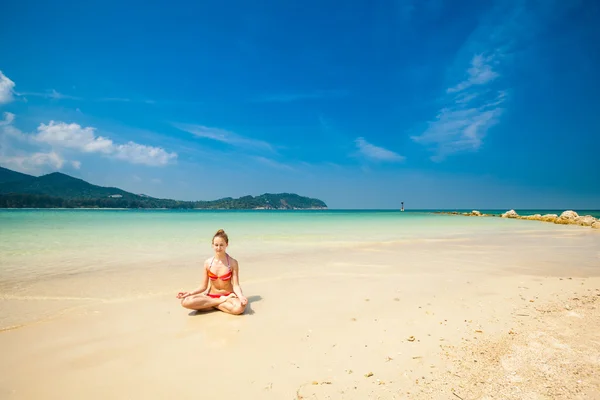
(219, 244)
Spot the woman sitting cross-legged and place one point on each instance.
(225, 292)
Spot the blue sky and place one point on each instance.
(437, 103)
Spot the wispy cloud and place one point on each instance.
(376, 153)
(6, 89)
(479, 73)
(55, 95)
(51, 94)
(272, 163)
(472, 108)
(225, 136)
(115, 99)
(292, 97)
(478, 93)
(475, 99)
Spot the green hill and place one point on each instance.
(57, 184)
(7, 175)
(64, 191)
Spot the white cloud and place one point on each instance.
(142, 154)
(32, 163)
(6, 89)
(224, 136)
(376, 153)
(8, 119)
(73, 136)
(63, 138)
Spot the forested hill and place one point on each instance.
(60, 190)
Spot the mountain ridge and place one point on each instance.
(57, 189)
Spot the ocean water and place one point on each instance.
(37, 243)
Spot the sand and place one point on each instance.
(469, 318)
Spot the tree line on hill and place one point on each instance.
(57, 190)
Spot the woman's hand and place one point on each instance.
(183, 295)
(243, 300)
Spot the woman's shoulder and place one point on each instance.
(233, 261)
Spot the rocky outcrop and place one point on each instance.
(568, 217)
(535, 217)
(549, 217)
(510, 214)
(586, 220)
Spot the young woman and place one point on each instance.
(225, 292)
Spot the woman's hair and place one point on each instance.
(221, 233)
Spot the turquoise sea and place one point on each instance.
(41, 242)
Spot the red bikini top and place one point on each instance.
(214, 277)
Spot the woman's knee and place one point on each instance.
(238, 309)
(185, 303)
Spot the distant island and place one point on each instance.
(58, 190)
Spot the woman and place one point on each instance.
(225, 292)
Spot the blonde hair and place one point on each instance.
(221, 233)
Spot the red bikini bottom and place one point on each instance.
(216, 296)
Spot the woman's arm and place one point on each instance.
(204, 281)
(202, 288)
(235, 279)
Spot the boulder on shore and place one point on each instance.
(596, 225)
(510, 214)
(585, 220)
(476, 213)
(567, 218)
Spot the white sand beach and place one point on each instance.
(510, 314)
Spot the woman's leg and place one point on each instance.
(232, 306)
(202, 302)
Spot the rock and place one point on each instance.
(567, 218)
(535, 217)
(569, 214)
(586, 220)
(476, 213)
(510, 214)
(596, 225)
(549, 217)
